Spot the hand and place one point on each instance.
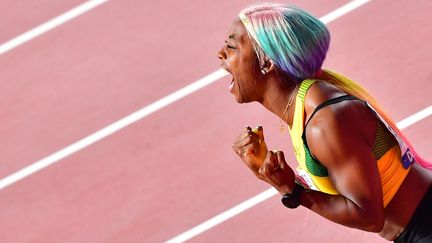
(251, 147)
(277, 172)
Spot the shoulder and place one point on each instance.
(337, 130)
(351, 112)
(341, 136)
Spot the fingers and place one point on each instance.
(281, 160)
(244, 143)
(270, 165)
(259, 131)
(251, 148)
(255, 134)
(247, 137)
(275, 161)
(247, 150)
(277, 172)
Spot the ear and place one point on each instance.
(267, 66)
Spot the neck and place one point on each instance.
(279, 98)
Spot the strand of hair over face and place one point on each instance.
(295, 41)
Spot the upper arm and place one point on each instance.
(341, 137)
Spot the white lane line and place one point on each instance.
(343, 10)
(104, 132)
(224, 216)
(49, 25)
(261, 197)
(415, 118)
(112, 128)
(271, 191)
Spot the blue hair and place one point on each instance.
(295, 41)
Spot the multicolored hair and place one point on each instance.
(295, 41)
(297, 44)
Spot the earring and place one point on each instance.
(263, 71)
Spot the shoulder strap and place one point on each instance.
(330, 102)
(305, 85)
(319, 107)
(296, 129)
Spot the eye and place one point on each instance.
(229, 46)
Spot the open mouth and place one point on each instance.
(231, 86)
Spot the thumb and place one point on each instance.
(259, 131)
(272, 164)
(281, 159)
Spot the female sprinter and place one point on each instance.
(354, 165)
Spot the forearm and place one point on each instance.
(342, 210)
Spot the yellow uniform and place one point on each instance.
(393, 167)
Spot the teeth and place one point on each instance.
(231, 86)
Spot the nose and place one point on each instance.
(221, 53)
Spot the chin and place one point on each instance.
(242, 100)
(239, 99)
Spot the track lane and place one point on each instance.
(18, 16)
(91, 202)
(392, 82)
(92, 71)
(396, 53)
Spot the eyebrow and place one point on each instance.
(232, 37)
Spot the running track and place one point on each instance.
(173, 169)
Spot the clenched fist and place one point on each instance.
(269, 166)
(251, 147)
(276, 172)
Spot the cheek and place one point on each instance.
(253, 63)
(252, 69)
(249, 64)
(244, 65)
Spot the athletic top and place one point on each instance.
(312, 174)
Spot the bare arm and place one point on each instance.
(341, 137)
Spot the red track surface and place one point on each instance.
(19, 16)
(174, 169)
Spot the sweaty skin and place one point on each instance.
(340, 136)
